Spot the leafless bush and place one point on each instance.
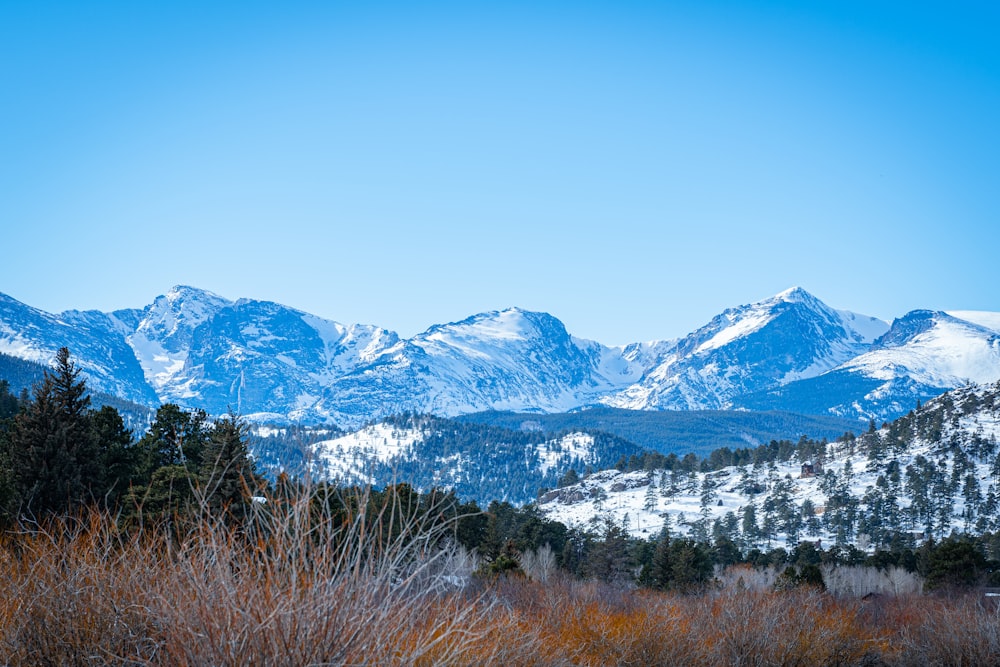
(294, 586)
(800, 627)
(945, 631)
(858, 581)
(373, 583)
(539, 565)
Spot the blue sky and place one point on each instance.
(632, 168)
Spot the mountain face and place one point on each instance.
(253, 357)
(771, 343)
(96, 339)
(271, 362)
(501, 360)
(923, 354)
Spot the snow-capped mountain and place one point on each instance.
(501, 360)
(923, 354)
(271, 362)
(96, 339)
(255, 357)
(788, 337)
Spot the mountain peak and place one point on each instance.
(186, 292)
(794, 295)
(510, 323)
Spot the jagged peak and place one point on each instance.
(185, 292)
(795, 294)
(512, 316)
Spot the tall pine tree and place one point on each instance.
(228, 478)
(53, 457)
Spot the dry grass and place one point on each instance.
(296, 588)
(299, 586)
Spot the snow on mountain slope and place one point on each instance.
(923, 354)
(345, 346)
(982, 318)
(935, 349)
(260, 356)
(691, 502)
(351, 456)
(867, 328)
(93, 339)
(425, 452)
(269, 361)
(163, 336)
(503, 360)
(784, 338)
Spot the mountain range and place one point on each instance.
(270, 362)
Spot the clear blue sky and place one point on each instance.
(632, 168)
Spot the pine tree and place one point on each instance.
(9, 404)
(651, 501)
(176, 438)
(227, 477)
(53, 458)
(609, 559)
(751, 531)
(119, 455)
(659, 574)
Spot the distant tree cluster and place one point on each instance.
(59, 456)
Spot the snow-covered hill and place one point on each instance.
(928, 473)
(479, 462)
(501, 360)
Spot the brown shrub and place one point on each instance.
(297, 587)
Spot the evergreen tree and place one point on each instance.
(682, 564)
(53, 458)
(227, 477)
(568, 479)
(813, 525)
(651, 501)
(751, 531)
(954, 562)
(659, 574)
(119, 455)
(609, 558)
(9, 405)
(176, 437)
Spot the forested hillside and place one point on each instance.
(678, 431)
(931, 472)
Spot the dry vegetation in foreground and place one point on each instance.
(293, 586)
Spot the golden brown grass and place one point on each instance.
(303, 587)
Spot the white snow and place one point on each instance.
(621, 497)
(14, 344)
(159, 366)
(866, 327)
(348, 456)
(949, 354)
(571, 446)
(737, 329)
(982, 318)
